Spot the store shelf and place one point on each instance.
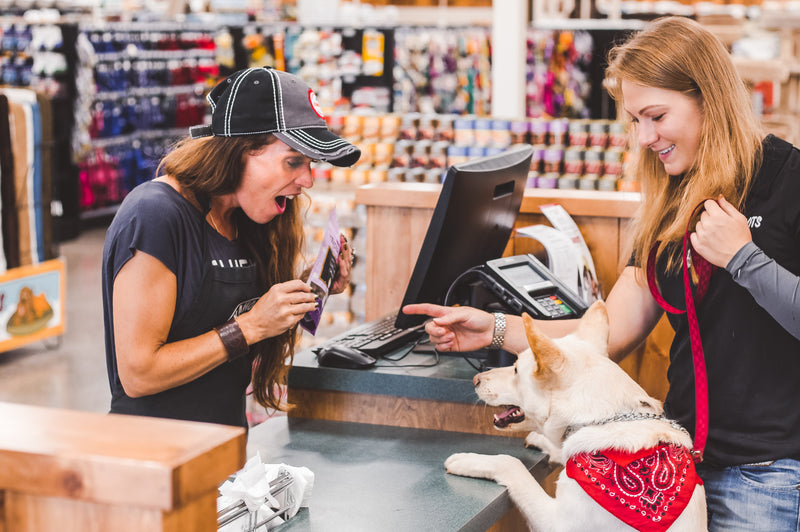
(762, 70)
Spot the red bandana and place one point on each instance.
(647, 489)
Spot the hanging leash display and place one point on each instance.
(704, 270)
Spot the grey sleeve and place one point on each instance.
(775, 289)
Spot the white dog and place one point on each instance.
(626, 465)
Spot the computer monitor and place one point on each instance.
(471, 224)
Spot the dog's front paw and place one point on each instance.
(478, 465)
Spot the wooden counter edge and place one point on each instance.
(576, 202)
(114, 459)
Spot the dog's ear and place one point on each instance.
(547, 355)
(593, 326)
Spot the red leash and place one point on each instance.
(704, 271)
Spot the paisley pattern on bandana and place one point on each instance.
(647, 489)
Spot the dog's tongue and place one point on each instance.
(511, 415)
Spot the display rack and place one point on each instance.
(31, 277)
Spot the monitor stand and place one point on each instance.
(497, 358)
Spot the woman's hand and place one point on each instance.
(455, 328)
(347, 256)
(277, 311)
(720, 233)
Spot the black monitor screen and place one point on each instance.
(471, 224)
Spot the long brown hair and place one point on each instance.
(213, 166)
(678, 54)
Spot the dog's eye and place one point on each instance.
(515, 370)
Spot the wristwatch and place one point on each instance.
(499, 335)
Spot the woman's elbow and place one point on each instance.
(135, 378)
(134, 386)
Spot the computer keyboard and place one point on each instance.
(379, 337)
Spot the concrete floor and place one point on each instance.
(69, 372)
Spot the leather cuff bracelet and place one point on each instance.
(233, 339)
(499, 335)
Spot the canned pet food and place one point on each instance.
(578, 133)
(427, 127)
(501, 133)
(547, 181)
(390, 127)
(593, 161)
(474, 152)
(612, 161)
(408, 126)
(617, 136)
(444, 129)
(438, 155)
(537, 156)
(607, 182)
(456, 154)
(420, 154)
(598, 134)
(396, 175)
(483, 132)
(558, 132)
(434, 175)
(382, 157)
(371, 128)
(519, 131)
(352, 128)
(552, 158)
(538, 129)
(464, 131)
(402, 153)
(568, 182)
(415, 175)
(588, 182)
(377, 175)
(573, 160)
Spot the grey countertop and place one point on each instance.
(418, 376)
(381, 478)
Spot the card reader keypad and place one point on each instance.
(553, 306)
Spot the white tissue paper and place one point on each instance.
(251, 485)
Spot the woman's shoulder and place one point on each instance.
(156, 198)
(156, 192)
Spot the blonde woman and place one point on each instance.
(200, 284)
(698, 144)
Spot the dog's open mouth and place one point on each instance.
(511, 415)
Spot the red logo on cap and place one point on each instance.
(312, 99)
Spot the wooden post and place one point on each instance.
(70, 471)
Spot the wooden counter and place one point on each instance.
(69, 471)
(397, 220)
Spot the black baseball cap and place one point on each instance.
(264, 100)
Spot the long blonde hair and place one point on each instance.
(213, 166)
(678, 54)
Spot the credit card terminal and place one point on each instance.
(524, 284)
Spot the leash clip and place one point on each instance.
(697, 455)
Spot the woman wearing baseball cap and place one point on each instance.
(200, 284)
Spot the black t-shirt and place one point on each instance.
(753, 364)
(213, 276)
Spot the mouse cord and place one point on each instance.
(404, 355)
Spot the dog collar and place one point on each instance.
(630, 416)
